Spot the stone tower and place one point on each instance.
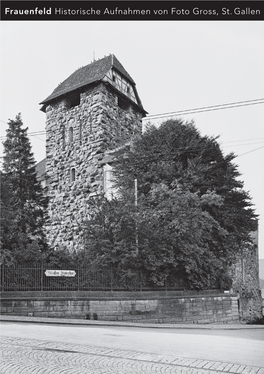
(95, 110)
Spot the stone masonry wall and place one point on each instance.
(145, 308)
(246, 281)
(77, 139)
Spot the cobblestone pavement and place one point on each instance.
(31, 356)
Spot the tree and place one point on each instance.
(193, 215)
(6, 219)
(166, 237)
(176, 152)
(22, 198)
(110, 232)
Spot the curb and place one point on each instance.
(80, 322)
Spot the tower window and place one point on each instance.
(123, 104)
(70, 135)
(80, 132)
(63, 136)
(74, 100)
(73, 174)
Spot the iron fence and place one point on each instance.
(43, 277)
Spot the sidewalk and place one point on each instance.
(67, 321)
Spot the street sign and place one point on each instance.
(60, 273)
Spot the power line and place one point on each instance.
(242, 140)
(39, 133)
(253, 150)
(184, 112)
(222, 143)
(38, 138)
(241, 145)
(206, 109)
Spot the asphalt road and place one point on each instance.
(117, 349)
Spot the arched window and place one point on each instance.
(80, 132)
(73, 174)
(63, 135)
(70, 135)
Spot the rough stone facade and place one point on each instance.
(80, 133)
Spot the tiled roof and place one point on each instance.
(91, 73)
(111, 155)
(41, 169)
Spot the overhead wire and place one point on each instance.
(186, 112)
(242, 140)
(207, 108)
(241, 145)
(189, 111)
(253, 150)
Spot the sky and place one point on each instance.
(177, 65)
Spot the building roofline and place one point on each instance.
(91, 73)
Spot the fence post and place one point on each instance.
(41, 276)
(111, 278)
(78, 279)
(2, 270)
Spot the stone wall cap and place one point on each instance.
(206, 326)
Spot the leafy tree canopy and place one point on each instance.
(175, 154)
(192, 215)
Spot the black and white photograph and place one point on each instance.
(131, 161)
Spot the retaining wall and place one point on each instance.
(122, 306)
